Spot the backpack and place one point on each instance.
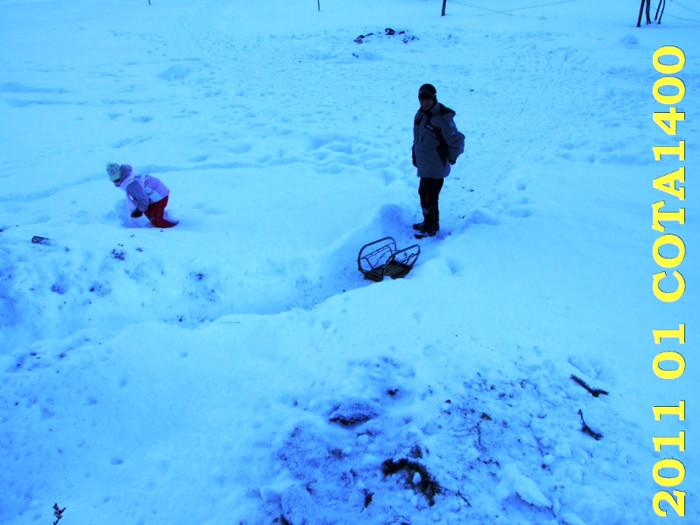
(443, 148)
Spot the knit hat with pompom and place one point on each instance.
(114, 171)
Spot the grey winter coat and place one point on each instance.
(436, 142)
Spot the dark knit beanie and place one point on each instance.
(427, 90)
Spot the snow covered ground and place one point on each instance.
(238, 368)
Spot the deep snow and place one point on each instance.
(237, 368)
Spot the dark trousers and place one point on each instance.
(429, 191)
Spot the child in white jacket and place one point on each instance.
(144, 193)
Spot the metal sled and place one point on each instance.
(381, 258)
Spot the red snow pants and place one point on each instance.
(155, 213)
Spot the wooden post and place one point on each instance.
(319, 4)
(444, 4)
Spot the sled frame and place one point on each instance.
(382, 258)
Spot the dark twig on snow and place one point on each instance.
(484, 417)
(595, 392)
(57, 513)
(588, 430)
(459, 493)
(368, 498)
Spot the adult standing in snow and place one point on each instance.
(436, 145)
(145, 194)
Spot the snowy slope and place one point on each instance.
(237, 368)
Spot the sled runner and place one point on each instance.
(381, 258)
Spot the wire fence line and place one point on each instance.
(696, 11)
(675, 3)
(559, 2)
(509, 11)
